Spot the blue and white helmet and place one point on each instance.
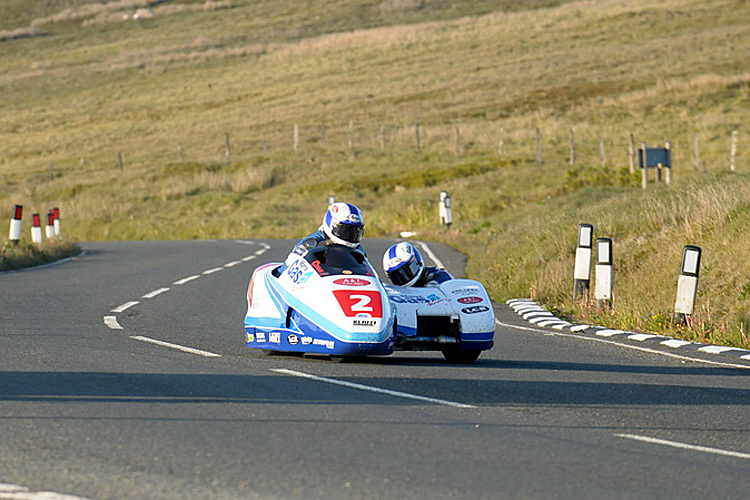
(344, 224)
(403, 264)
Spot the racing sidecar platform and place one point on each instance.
(330, 301)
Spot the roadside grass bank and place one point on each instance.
(181, 127)
(25, 254)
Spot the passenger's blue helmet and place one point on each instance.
(403, 264)
(344, 224)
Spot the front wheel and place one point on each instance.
(461, 356)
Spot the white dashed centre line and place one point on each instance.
(111, 321)
(178, 347)
(372, 389)
(214, 270)
(153, 294)
(685, 446)
(124, 306)
(186, 280)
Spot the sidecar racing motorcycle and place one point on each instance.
(331, 301)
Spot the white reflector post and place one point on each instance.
(56, 212)
(331, 200)
(15, 225)
(687, 285)
(36, 229)
(582, 272)
(446, 217)
(604, 273)
(50, 229)
(441, 206)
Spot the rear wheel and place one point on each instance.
(461, 356)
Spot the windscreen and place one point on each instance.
(329, 260)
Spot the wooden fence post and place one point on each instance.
(733, 151)
(572, 147)
(458, 141)
(120, 162)
(644, 172)
(602, 154)
(696, 153)
(539, 158)
(295, 139)
(382, 137)
(323, 135)
(350, 141)
(417, 134)
(180, 155)
(668, 171)
(631, 152)
(227, 149)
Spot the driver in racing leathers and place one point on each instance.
(343, 224)
(405, 266)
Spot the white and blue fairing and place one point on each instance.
(328, 301)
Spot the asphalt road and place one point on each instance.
(96, 411)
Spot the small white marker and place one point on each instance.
(153, 294)
(124, 306)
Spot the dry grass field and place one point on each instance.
(200, 101)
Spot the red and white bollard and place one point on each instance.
(50, 229)
(15, 225)
(36, 229)
(56, 211)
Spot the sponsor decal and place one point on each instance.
(470, 300)
(298, 272)
(365, 322)
(346, 271)
(318, 268)
(292, 339)
(250, 337)
(274, 337)
(351, 282)
(415, 299)
(354, 218)
(466, 290)
(328, 344)
(260, 337)
(365, 303)
(475, 309)
(306, 340)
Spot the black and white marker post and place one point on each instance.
(50, 229)
(604, 273)
(446, 216)
(36, 229)
(56, 212)
(687, 285)
(15, 225)
(582, 272)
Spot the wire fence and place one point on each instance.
(558, 146)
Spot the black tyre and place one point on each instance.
(461, 356)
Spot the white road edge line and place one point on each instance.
(685, 446)
(430, 254)
(15, 492)
(111, 322)
(124, 306)
(178, 347)
(371, 389)
(185, 280)
(637, 348)
(153, 294)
